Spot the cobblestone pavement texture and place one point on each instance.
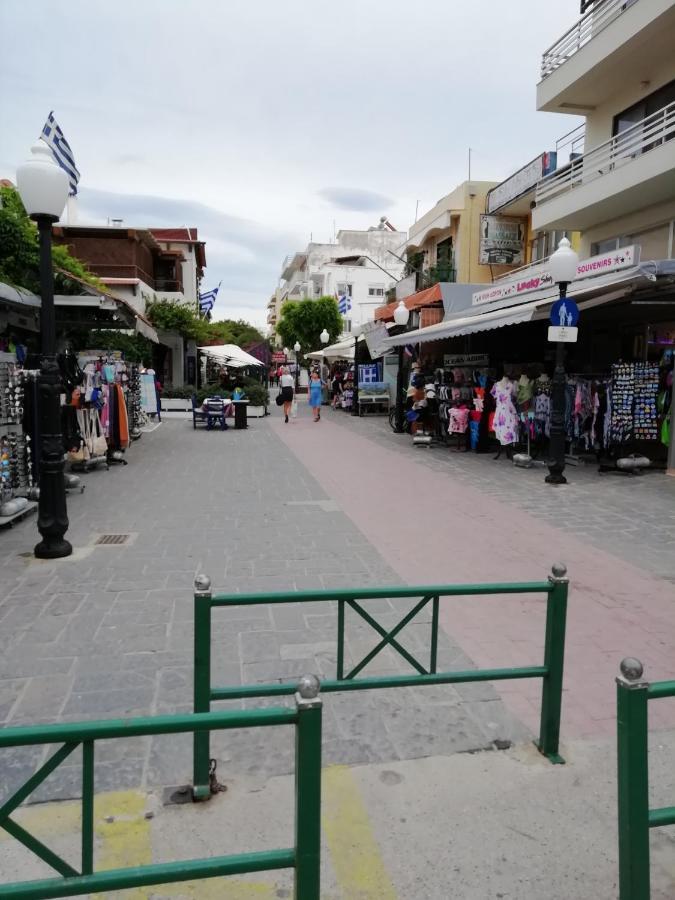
(436, 515)
(108, 632)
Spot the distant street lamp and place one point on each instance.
(296, 348)
(356, 331)
(562, 267)
(401, 316)
(43, 187)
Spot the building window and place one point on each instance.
(376, 290)
(632, 116)
(346, 325)
(345, 289)
(653, 243)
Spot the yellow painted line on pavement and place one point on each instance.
(354, 852)
(125, 841)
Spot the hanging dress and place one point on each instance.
(506, 417)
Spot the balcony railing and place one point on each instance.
(588, 26)
(106, 270)
(618, 151)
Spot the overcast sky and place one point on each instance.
(263, 122)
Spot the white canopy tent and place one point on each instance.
(231, 355)
(341, 350)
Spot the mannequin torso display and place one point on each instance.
(525, 391)
(506, 417)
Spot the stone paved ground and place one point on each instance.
(108, 632)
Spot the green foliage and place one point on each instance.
(304, 321)
(255, 392)
(135, 347)
(19, 251)
(229, 331)
(169, 315)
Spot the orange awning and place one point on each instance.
(415, 301)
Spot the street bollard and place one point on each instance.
(201, 787)
(308, 789)
(554, 658)
(633, 781)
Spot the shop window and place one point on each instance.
(605, 246)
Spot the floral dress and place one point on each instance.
(506, 417)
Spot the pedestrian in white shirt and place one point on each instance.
(286, 385)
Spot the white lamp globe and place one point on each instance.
(563, 263)
(296, 346)
(286, 351)
(42, 184)
(324, 337)
(401, 313)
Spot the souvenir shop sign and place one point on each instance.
(537, 279)
(563, 334)
(465, 359)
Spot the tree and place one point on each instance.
(304, 320)
(169, 315)
(20, 255)
(239, 332)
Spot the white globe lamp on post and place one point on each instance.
(324, 337)
(43, 187)
(296, 350)
(562, 267)
(401, 317)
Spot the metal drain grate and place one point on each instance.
(109, 539)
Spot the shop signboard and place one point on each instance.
(406, 286)
(522, 181)
(451, 360)
(375, 334)
(502, 241)
(537, 278)
(563, 334)
(278, 356)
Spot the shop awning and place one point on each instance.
(341, 350)
(231, 355)
(593, 292)
(414, 301)
(112, 304)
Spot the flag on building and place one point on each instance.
(207, 300)
(344, 304)
(409, 351)
(61, 151)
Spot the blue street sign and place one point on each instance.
(564, 313)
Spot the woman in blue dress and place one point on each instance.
(315, 392)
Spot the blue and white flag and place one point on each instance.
(207, 300)
(61, 151)
(344, 304)
(409, 351)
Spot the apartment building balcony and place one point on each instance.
(127, 273)
(632, 170)
(615, 42)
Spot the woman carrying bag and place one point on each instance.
(286, 385)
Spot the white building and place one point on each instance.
(360, 265)
(616, 67)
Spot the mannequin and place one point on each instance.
(506, 418)
(525, 392)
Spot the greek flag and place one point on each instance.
(54, 139)
(409, 351)
(207, 300)
(344, 304)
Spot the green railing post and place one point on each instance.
(633, 781)
(554, 656)
(201, 788)
(308, 790)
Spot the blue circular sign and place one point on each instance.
(564, 313)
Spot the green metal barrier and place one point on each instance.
(551, 672)
(304, 857)
(635, 816)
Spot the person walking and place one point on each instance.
(315, 393)
(286, 386)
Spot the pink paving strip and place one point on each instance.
(431, 530)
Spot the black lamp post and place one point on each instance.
(296, 350)
(355, 392)
(401, 316)
(43, 187)
(563, 268)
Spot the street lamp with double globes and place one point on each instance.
(401, 316)
(296, 350)
(43, 187)
(562, 267)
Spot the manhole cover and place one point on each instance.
(108, 539)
